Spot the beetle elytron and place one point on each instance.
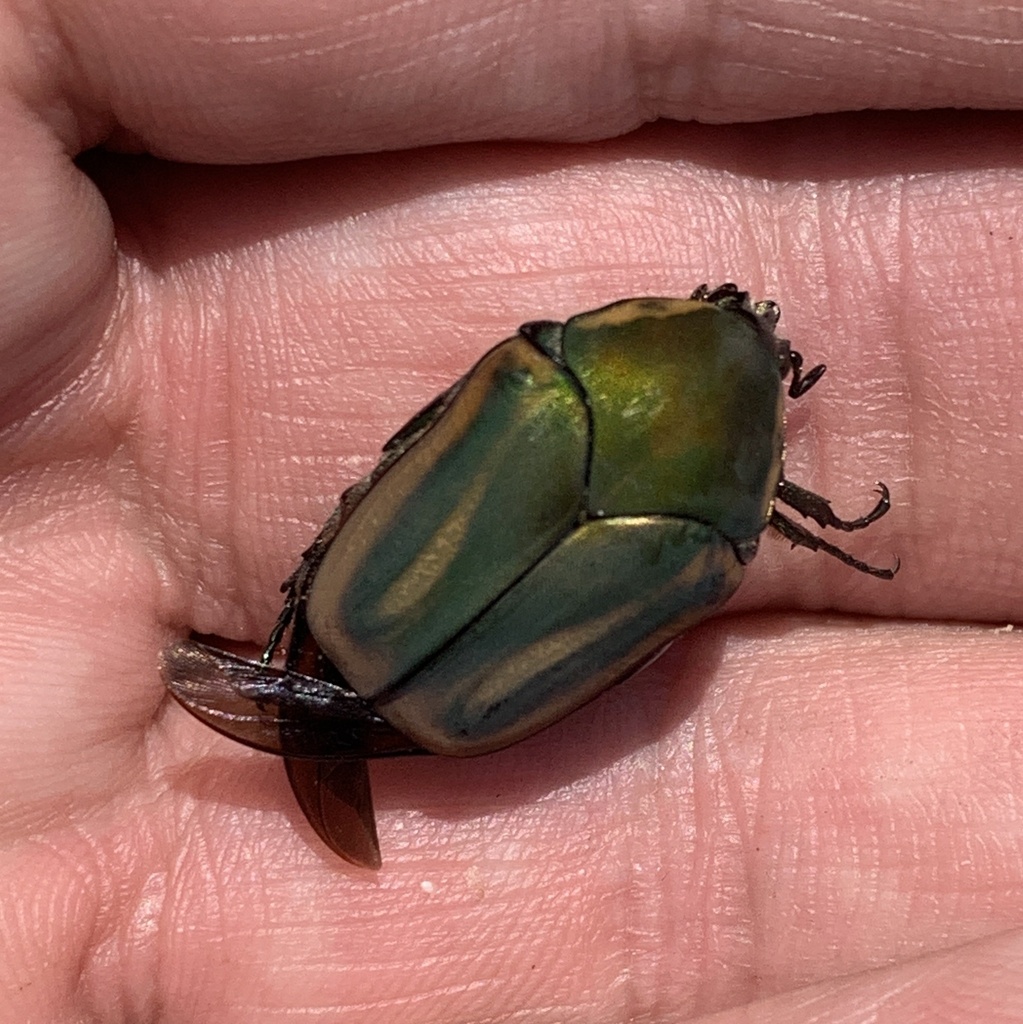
(588, 491)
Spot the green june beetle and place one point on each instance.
(583, 495)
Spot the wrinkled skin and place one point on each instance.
(798, 813)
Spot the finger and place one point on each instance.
(977, 981)
(264, 81)
(56, 266)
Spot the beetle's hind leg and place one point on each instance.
(296, 586)
(814, 507)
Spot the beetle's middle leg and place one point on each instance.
(802, 537)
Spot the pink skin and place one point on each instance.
(799, 813)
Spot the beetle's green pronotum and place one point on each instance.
(588, 491)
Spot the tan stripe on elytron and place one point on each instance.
(625, 312)
(444, 546)
(533, 659)
(432, 562)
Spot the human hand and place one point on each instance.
(797, 812)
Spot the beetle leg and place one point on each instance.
(727, 296)
(802, 383)
(769, 311)
(728, 293)
(801, 537)
(814, 507)
(297, 585)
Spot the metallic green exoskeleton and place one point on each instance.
(588, 491)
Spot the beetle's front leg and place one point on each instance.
(801, 383)
(814, 507)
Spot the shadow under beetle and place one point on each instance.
(587, 492)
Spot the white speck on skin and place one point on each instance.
(427, 886)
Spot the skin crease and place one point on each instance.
(807, 810)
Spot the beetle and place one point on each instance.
(587, 492)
